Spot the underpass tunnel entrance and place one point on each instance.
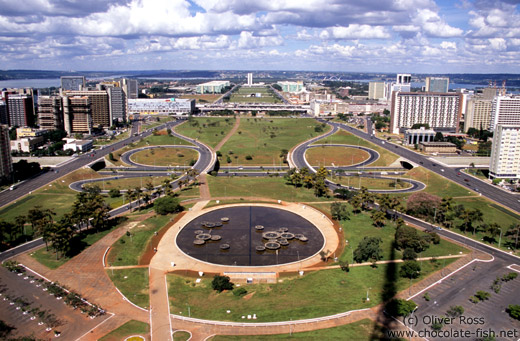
(407, 165)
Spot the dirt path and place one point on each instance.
(226, 138)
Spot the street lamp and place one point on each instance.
(368, 299)
(189, 311)
(500, 238)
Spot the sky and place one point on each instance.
(417, 36)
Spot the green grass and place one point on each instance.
(130, 328)
(438, 185)
(165, 156)
(274, 188)
(122, 136)
(135, 286)
(242, 95)
(264, 139)
(209, 130)
(82, 242)
(129, 249)
(153, 123)
(386, 158)
(369, 183)
(181, 335)
(319, 293)
(360, 330)
(134, 182)
(339, 156)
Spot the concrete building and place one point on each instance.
(478, 113)
(78, 145)
(293, 87)
(437, 84)
(213, 87)
(416, 136)
(30, 132)
(130, 87)
(4, 117)
(77, 114)
(249, 79)
(72, 83)
(20, 110)
(50, 112)
(27, 144)
(441, 111)
(438, 147)
(505, 111)
(505, 152)
(99, 105)
(403, 83)
(153, 106)
(377, 90)
(6, 163)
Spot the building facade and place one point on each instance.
(294, 87)
(505, 152)
(437, 84)
(478, 113)
(50, 112)
(505, 111)
(441, 111)
(153, 106)
(20, 110)
(416, 136)
(438, 147)
(213, 87)
(72, 83)
(376, 90)
(77, 114)
(6, 163)
(4, 117)
(249, 79)
(100, 109)
(130, 87)
(117, 104)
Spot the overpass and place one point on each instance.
(245, 107)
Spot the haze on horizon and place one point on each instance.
(420, 36)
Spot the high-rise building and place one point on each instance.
(72, 83)
(441, 111)
(117, 104)
(99, 106)
(249, 79)
(130, 87)
(20, 109)
(402, 84)
(6, 163)
(505, 152)
(376, 90)
(478, 113)
(437, 84)
(50, 112)
(77, 114)
(4, 117)
(506, 110)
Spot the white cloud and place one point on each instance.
(448, 45)
(355, 31)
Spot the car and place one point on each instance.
(442, 169)
(422, 163)
(458, 173)
(467, 180)
(476, 189)
(433, 164)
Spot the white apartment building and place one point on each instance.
(441, 111)
(377, 90)
(505, 111)
(505, 153)
(478, 113)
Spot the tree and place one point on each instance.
(339, 211)
(368, 249)
(400, 307)
(409, 254)
(378, 218)
(410, 269)
(167, 205)
(320, 189)
(423, 205)
(493, 230)
(19, 223)
(221, 283)
(344, 266)
(344, 193)
(513, 233)
(356, 204)
(455, 311)
(114, 193)
(438, 137)
(406, 237)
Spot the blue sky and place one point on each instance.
(421, 36)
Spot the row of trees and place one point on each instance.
(304, 178)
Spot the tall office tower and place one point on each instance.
(99, 106)
(402, 84)
(117, 104)
(437, 84)
(442, 112)
(376, 90)
(20, 109)
(489, 93)
(4, 117)
(6, 163)
(478, 113)
(249, 79)
(50, 112)
(506, 110)
(77, 114)
(505, 152)
(70, 83)
(130, 87)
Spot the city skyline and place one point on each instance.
(418, 36)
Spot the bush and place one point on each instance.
(114, 193)
(249, 157)
(409, 254)
(482, 295)
(221, 283)
(344, 266)
(410, 269)
(514, 311)
(239, 292)
(167, 205)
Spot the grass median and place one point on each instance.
(209, 130)
(337, 156)
(133, 284)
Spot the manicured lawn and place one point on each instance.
(248, 95)
(133, 283)
(339, 156)
(438, 185)
(210, 130)
(204, 98)
(126, 183)
(129, 249)
(369, 183)
(130, 328)
(181, 335)
(165, 156)
(274, 188)
(319, 293)
(361, 330)
(386, 158)
(154, 122)
(263, 139)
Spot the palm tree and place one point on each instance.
(131, 196)
(19, 222)
(378, 217)
(476, 217)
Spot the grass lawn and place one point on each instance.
(135, 286)
(210, 130)
(274, 188)
(181, 335)
(369, 183)
(126, 183)
(438, 185)
(156, 121)
(386, 158)
(203, 98)
(130, 328)
(339, 156)
(263, 139)
(165, 156)
(319, 293)
(361, 330)
(244, 95)
(117, 138)
(81, 242)
(129, 249)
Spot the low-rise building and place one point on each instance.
(78, 145)
(213, 87)
(153, 106)
(438, 147)
(416, 136)
(29, 132)
(292, 86)
(26, 144)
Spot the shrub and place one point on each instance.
(482, 295)
(239, 292)
(114, 193)
(249, 157)
(221, 283)
(514, 311)
(426, 297)
(167, 205)
(409, 254)
(474, 299)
